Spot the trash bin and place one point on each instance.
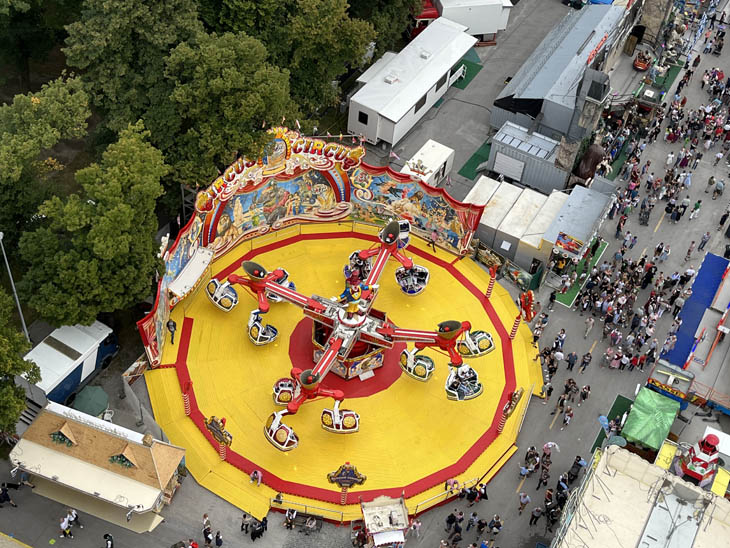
(727, 252)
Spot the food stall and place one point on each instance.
(386, 521)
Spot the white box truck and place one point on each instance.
(432, 163)
(70, 357)
(484, 18)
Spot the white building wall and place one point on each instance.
(405, 124)
(355, 127)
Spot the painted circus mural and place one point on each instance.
(298, 180)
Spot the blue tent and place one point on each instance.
(601, 1)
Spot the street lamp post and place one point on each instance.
(12, 284)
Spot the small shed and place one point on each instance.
(432, 163)
(399, 89)
(650, 419)
(530, 245)
(580, 218)
(514, 225)
(386, 521)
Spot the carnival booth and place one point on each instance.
(99, 468)
(432, 163)
(319, 301)
(649, 422)
(386, 521)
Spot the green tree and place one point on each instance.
(316, 40)
(223, 91)
(13, 347)
(121, 47)
(30, 126)
(390, 18)
(97, 251)
(321, 43)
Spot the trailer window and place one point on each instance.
(362, 117)
(441, 82)
(420, 103)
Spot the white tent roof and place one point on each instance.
(415, 70)
(388, 537)
(544, 219)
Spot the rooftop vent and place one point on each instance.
(390, 78)
(425, 54)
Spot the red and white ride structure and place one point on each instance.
(351, 327)
(699, 463)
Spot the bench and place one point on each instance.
(301, 519)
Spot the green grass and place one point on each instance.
(665, 83)
(569, 296)
(472, 69)
(469, 169)
(438, 103)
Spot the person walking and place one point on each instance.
(584, 393)
(415, 528)
(433, 239)
(678, 304)
(544, 475)
(109, 540)
(218, 539)
(73, 518)
(585, 362)
(571, 359)
(560, 404)
(65, 527)
(524, 501)
(451, 519)
(547, 390)
(691, 248)
(472, 521)
(703, 241)
(5, 496)
(535, 515)
(207, 536)
(695, 210)
(590, 322)
(567, 416)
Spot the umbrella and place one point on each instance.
(92, 400)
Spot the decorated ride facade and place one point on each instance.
(376, 315)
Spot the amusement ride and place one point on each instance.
(350, 333)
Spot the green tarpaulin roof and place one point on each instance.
(92, 400)
(650, 418)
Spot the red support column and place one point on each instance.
(490, 287)
(515, 327)
(501, 424)
(186, 397)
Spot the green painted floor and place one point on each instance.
(472, 69)
(469, 169)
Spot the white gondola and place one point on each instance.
(415, 365)
(364, 266)
(259, 333)
(475, 344)
(279, 434)
(285, 390)
(463, 384)
(412, 281)
(340, 421)
(221, 294)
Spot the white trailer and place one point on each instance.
(432, 163)
(483, 18)
(70, 356)
(399, 89)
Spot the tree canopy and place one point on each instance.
(121, 48)
(390, 18)
(29, 126)
(223, 90)
(96, 251)
(13, 347)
